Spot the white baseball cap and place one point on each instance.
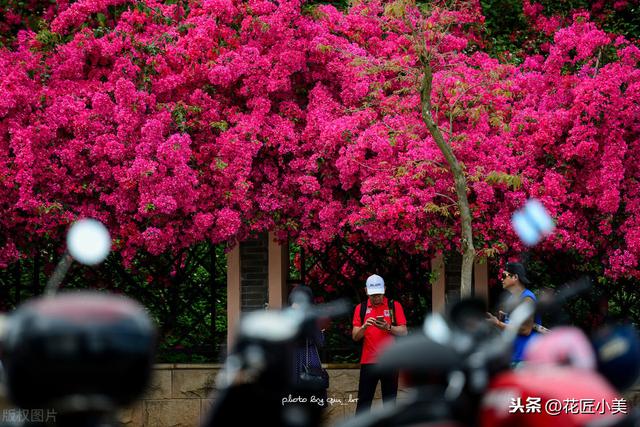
(375, 285)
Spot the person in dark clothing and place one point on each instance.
(307, 356)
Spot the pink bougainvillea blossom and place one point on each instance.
(177, 126)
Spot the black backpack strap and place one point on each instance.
(392, 311)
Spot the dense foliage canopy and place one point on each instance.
(181, 122)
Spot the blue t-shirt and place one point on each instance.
(522, 341)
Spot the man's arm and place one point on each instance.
(496, 322)
(526, 327)
(399, 330)
(358, 331)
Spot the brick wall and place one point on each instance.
(178, 395)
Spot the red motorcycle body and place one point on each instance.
(548, 395)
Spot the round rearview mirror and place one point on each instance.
(436, 328)
(88, 241)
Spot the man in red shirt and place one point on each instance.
(378, 325)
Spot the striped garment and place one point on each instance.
(309, 355)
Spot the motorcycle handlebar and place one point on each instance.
(285, 325)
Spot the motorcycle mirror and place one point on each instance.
(273, 326)
(88, 241)
(285, 325)
(436, 328)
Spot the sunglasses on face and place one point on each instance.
(506, 275)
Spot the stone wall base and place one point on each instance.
(180, 396)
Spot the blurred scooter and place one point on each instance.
(257, 384)
(74, 359)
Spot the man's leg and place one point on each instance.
(366, 388)
(389, 386)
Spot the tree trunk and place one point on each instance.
(466, 238)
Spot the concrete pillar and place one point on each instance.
(233, 294)
(438, 287)
(481, 279)
(257, 271)
(278, 272)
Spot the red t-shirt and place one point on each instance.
(376, 339)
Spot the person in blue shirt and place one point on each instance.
(514, 280)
